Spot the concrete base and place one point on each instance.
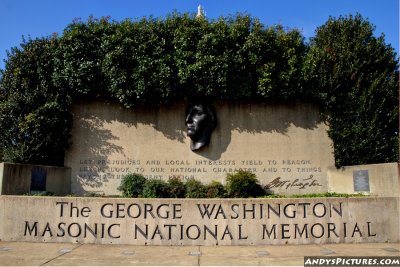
(205, 222)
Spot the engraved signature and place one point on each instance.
(301, 184)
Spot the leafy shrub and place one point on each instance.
(154, 188)
(176, 188)
(243, 184)
(132, 185)
(195, 189)
(215, 190)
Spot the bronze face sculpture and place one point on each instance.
(200, 121)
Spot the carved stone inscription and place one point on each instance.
(281, 175)
(196, 231)
(202, 222)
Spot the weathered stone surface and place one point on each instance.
(285, 145)
(199, 221)
(384, 179)
(15, 179)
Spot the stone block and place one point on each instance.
(199, 222)
(285, 145)
(19, 179)
(383, 179)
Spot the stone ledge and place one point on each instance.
(206, 222)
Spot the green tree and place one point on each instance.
(78, 58)
(354, 75)
(138, 63)
(34, 113)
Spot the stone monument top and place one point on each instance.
(200, 12)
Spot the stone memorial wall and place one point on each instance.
(199, 221)
(285, 145)
(18, 179)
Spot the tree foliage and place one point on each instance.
(34, 113)
(152, 61)
(354, 75)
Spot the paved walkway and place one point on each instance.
(65, 254)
